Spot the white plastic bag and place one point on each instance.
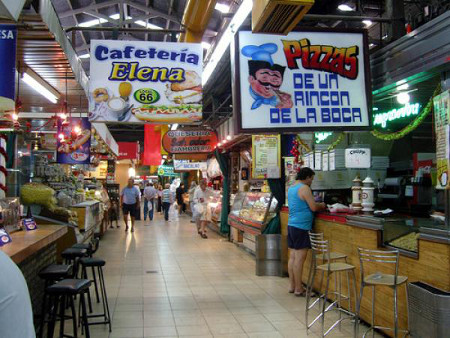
(173, 213)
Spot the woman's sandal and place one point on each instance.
(300, 294)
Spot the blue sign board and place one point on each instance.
(8, 38)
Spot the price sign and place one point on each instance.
(357, 158)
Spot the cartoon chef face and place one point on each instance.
(265, 78)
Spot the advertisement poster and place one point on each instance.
(8, 36)
(441, 121)
(189, 141)
(304, 80)
(266, 156)
(145, 81)
(74, 141)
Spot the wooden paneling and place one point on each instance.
(432, 267)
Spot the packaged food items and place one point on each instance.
(38, 193)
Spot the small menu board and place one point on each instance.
(318, 160)
(29, 224)
(4, 237)
(332, 160)
(325, 166)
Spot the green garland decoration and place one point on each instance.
(413, 125)
(303, 144)
(335, 143)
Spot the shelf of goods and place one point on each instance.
(250, 214)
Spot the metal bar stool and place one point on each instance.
(97, 263)
(321, 249)
(334, 256)
(51, 274)
(61, 294)
(385, 257)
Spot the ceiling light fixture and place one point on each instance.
(229, 137)
(222, 7)
(404, 86)
(99, 21)
(368, 23)
(42, 87)
(147, 25)
(85, 56)
(371, 45)
(174, 126)
(403, 98)
(241, 14)
(345, 8)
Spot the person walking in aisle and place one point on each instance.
(160, 189)
(301, 216)
(201, 197)
(167, 200)
(180, 201)
(150, 193)
(191, 199)
(129, 201)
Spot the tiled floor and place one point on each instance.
(163, 280)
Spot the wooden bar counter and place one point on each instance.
(32, 251)
(431, 265)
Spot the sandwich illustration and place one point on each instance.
(186, 97)
(188, 91)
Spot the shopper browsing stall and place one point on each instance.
(191, 199)
(129, 200)
(201, 196)
(167, 200)
(150, 194)
(301, 207)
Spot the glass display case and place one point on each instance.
(215, 205)
(252, 211)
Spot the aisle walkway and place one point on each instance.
(163, 280)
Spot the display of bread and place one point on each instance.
(407, 242)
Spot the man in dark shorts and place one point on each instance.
(129, 200)
(301, 207)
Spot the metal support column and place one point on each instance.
(396, 9)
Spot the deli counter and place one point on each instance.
(423, 243)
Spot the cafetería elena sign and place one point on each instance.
(189, 141)
(141, 82)
(305, 80)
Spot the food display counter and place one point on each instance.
(88, 217)
(424, 253)
(249, 216)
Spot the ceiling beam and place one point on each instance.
(169, 12)
(152, 11)
(90, 7)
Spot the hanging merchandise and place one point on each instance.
(413, 125)
(74, 141)
(298, 150)
(152, 145)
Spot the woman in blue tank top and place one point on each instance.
(301, 208)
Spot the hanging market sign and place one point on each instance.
(381, 119)
(8, 37)
(304, 80)
(266, 156)
(189, 141)
(182, 165)
(74, 141)
(141, 82)
(167, 171)
(128, 150)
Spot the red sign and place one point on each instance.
(128, 150)
(189, 141)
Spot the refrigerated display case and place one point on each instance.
(252, 211)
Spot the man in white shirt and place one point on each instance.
(16, 315)
(201, 197)
(129, 201)
(150, 193)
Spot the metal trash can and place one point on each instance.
(268, 255)
(429, 311)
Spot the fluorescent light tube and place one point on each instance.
(244, 10)
(368, 23)
(147, 25)
(99, 21)
(222, 8)
(85, 56)
(205, 45)
(174, 126)
(345, 8)
(34, 81)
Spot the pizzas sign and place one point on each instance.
(189, 141)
